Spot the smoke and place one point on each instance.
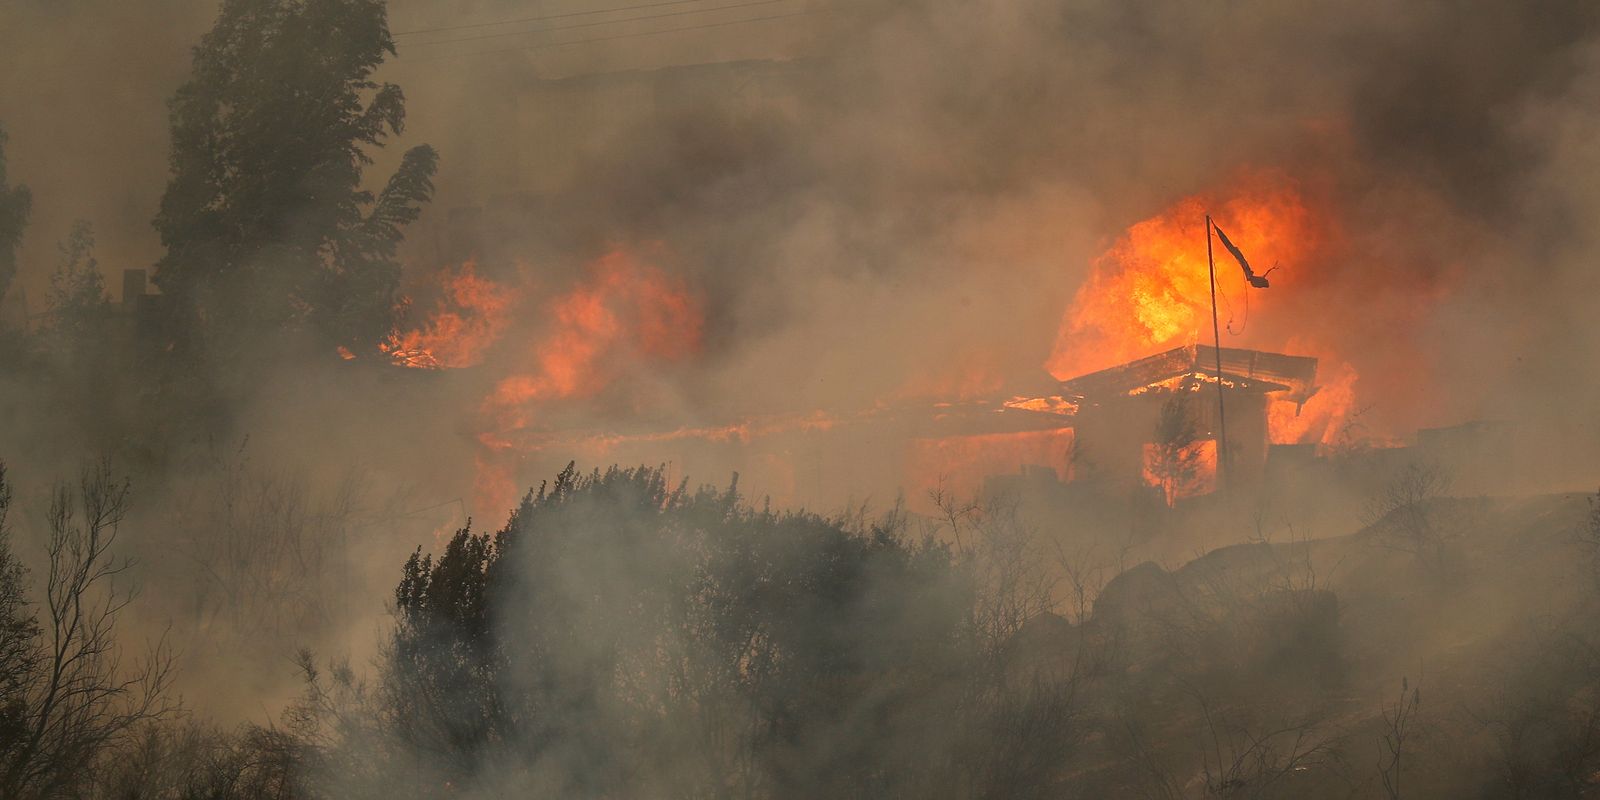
(913, 187)
(83, 88)
(922, 187)
(873, 202)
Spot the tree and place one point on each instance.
(1400, 720)
(262, 543)
(18, 630)
(186, 759)
(621, 637)
(1175, 458)
(15, 202)
(78, 302)
(1404, 513)
(78, 700)
(264, 220)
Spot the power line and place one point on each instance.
(543, 45)
(546, 17)
(601, 22)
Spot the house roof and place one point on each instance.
(1288, 377)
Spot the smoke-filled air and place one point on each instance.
(799, 399)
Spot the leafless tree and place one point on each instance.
(263, 545)
(189, 759)
(1350, 438)
(81, 698)
(1241, 760)
(1399, 726)
(1085, 575)
(1404, 515)
(18, 632)
(1025, 707)
(1133, 743)
(1233, 751)
(1010, 571)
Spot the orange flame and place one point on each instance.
(1321, 419)
(1151, 290)
(471, 316)
(623, 311)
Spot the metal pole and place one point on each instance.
(1216, 345)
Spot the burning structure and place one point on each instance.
(1160, 418)
(1155, 420)
(593, 367)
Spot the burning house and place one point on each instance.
(1162, 418)
(1158, 419)
(561, 368)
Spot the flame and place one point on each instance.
(1054, 404)
(471, 315)
(1149, 291)
(623, 312)
(1322, 419)
(1152, 290)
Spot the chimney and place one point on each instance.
(132, 287)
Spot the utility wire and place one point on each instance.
(546, 17)
(660, 32)
(601, 22)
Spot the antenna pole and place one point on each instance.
(1216, 346)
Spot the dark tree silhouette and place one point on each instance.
(15, 202)
(264, 219)
(78, 302)
(73, 697)
(18, 629)
(622, 637)
(1175, 458)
